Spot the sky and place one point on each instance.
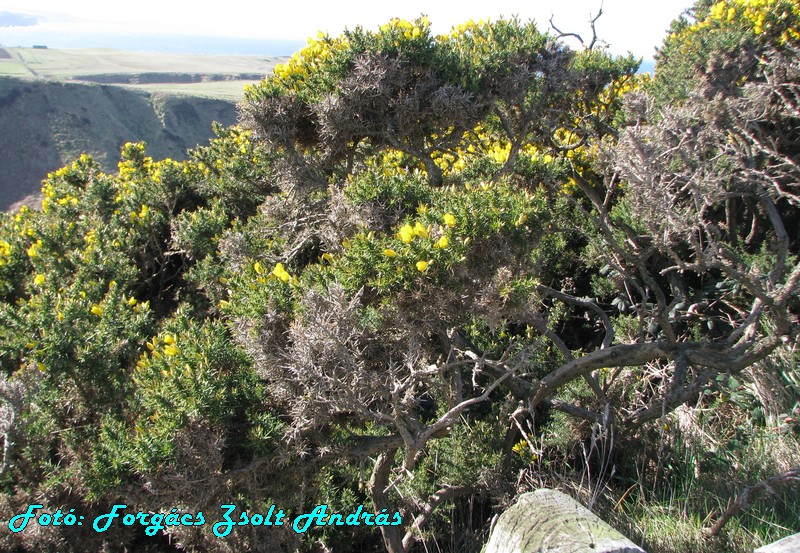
(627, 25)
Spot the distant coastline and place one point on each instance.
(16, 37)
(173, 44)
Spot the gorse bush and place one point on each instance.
(422, 273)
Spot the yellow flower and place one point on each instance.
(422, 265)
(258, 268)
(38, 280)
(449, 219)
(97, 310)
(420, 231)
(169, 339)
(388, 252)
(280, 272)
(406, 234)
(442, 243)
(171, 350)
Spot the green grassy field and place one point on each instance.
(215, 76)
(223, 90)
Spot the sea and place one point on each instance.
(11, 37)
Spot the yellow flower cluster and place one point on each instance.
(305, 63)
(390, 162)
(500, 151)
(720, 11)
(158, 346)
(467, 28)
(49, 192)
(408, 233)
(523, 449)
(451, 162)
(67, 199)
(139, 217)
(409, 30)
(5, 252)
(757, 15)
(487, 144)
(279, 272)
(128, 168)
(307, 60)
(33, 250)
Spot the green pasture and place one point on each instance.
(86, 64)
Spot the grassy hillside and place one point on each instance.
(47, 124)
(56, 104)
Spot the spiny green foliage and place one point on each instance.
(724, 39)
(404, 89)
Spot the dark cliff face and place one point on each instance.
(45, 125)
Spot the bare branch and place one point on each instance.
(392, 535)
(585, 303)
(447, 420)
(447, 493)
(629, 355)
(592, 22)
(750, 493)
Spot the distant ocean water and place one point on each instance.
(648, 66)
(11, 37)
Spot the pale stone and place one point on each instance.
(789, 544)
(548, 521)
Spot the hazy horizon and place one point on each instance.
(158, 43)
(627, 26)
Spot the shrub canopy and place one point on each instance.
(412, 255)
